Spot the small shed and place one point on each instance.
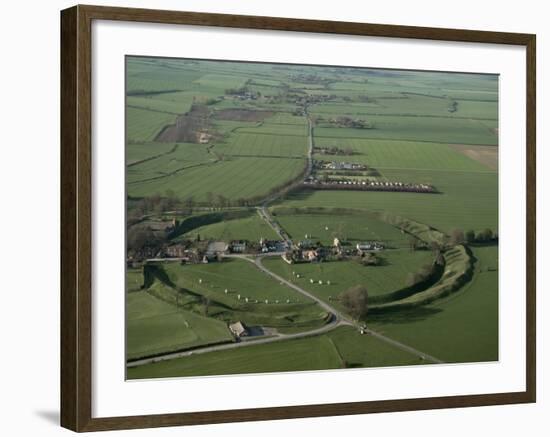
(238, 329)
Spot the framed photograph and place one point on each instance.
(268, 218)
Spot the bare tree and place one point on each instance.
(457, 236)
(356, 301)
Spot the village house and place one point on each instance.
(237, 246)
(309, 255)
(176, 251)
(215, 249)
(203, 137)
(306, 244)
(238, 329)
(368, 246)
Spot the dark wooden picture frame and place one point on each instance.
(76, 217)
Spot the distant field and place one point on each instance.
(462, 328)
(440, 130)
(234, 178)
(277, 129)
(144, 125)
(412, 105)
(254, 144)
(139, 152)
(462, 194)
(382, 154)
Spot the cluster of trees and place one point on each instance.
(371, 259)
(237, 91)
(348, 151)
(453, 106)
(486, 235)
(153, 204)
(141, 238)
(354, 123)
(356, 301)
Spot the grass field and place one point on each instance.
(342, 275)
(351, 228)
(461, 328)
(250, 228)
(245, 143)
(468, 200)
(144, 125)
(382, 154)
(154, 327)
(235, 178)
(341, 348)
(285, 308)
(440, 130)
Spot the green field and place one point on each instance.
(155, 327)
(461, 195)
(382, 154)
(463, 327)
(235, 178)
(433, 129)
(342, 348)
(285, 308)
(250, 228)
(379, 280)
(349, 228)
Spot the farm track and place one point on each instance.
(200, 164)
(150, 158)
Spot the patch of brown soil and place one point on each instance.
(486, 155)
(240, 114)
(187, 128)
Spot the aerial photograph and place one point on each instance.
(289, 217)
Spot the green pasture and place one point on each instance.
(432, 129)
(154, 327)
(134, 280)
(254, 144)
(144, 125)
(350, 228)
(382, 154)
(379, 280)
(137, 152)
(316, 353)
(342, 348)
(234, 178)
(276, 129)
(250, 228)
(190, 285)
(461, 328)
(468, 200)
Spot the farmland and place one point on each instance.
(261, 197)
